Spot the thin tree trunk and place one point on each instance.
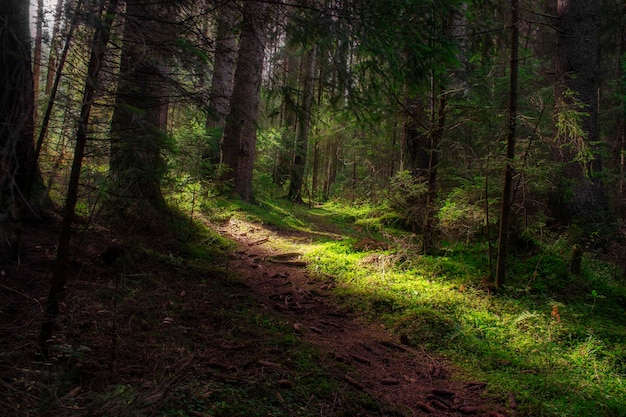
(316, 168)
(55, 45)
(37, 57)
(506, 204)
(431, 194)
(59, 276)
(52, 90)
(304, 127)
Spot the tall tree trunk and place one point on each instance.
(224, 62)
(55, 44)
(16, 122)
(621, 134)
(285, 150)
(438, 123)
(304, 127)
(37, 56)
(506, 203)
(330, 168)
(52, 87)
(315, 172)
(239, 139)
(584, 201)
(59, 276)
(139, 122)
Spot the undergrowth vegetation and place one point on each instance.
(552, 340)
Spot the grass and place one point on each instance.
(552, 340)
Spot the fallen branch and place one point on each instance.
(259, 242)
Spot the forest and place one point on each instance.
(312, 208)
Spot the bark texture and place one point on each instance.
(239, 140)
(304, 126)
(224, 62)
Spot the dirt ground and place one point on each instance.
(385, 368)
(134, 332)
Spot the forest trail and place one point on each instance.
(389, 371)
(161, 332)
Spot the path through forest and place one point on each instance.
(384, 367)
(160, 331)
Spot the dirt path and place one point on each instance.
(384, 368)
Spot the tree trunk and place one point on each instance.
(223, 67)
(59, 276)
(438, 122)
(330, 169)
(506, 203)
(239, 138)
(54, 46)
(37, 56)
(285, 151)
(139, 123)
(304, 127)
(16, 122)
(52, 87)
(584, 201)
(316, 169)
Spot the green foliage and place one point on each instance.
(407, 197)
(463, 214)
(568, 116)
(548, 336)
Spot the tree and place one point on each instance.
(138, 126)
(37, 53)
(16, 122)
(511, 124)
(581, 197)
(304, 126)
(59, 276)
(225, 58)
(238, 147)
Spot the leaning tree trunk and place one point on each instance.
(140, 117)
(55, 43)
(59, 275)
(239, 139)
(16, 122)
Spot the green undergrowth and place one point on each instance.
(553, 340)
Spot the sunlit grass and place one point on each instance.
(555, 342)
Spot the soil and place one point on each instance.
(384, 367)
(125, 317)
